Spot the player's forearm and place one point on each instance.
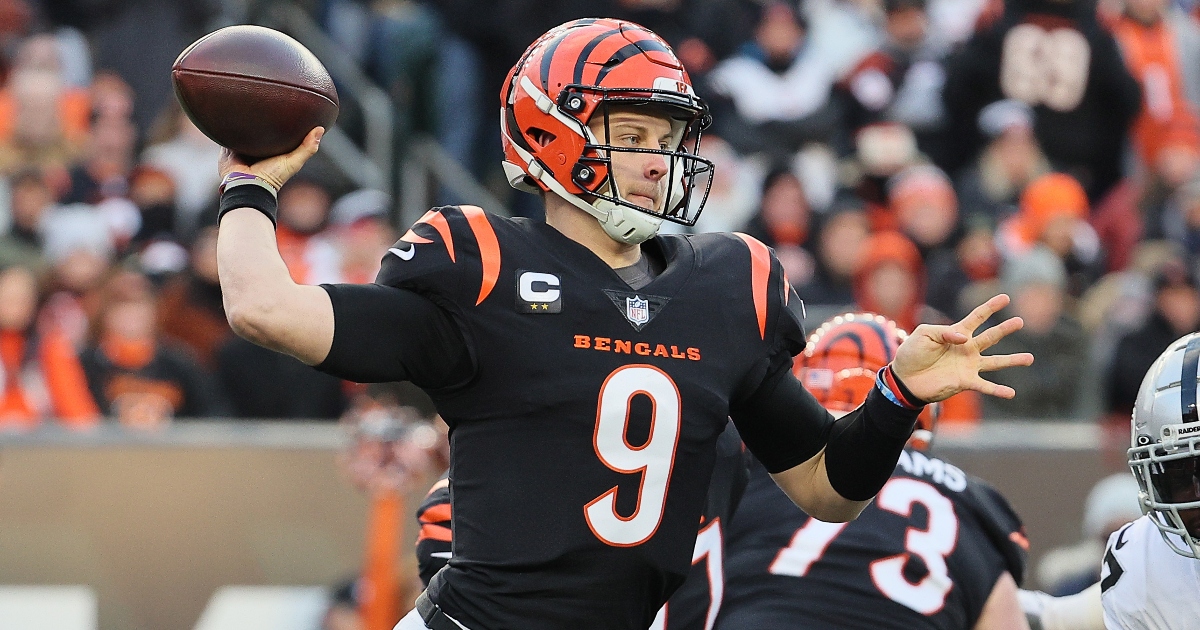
(262, 302)
(807, 485)
(1082, 611)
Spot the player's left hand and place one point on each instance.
(936, 362)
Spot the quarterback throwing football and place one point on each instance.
(586, 364)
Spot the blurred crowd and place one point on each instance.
(908, 157)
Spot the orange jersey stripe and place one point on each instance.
(436, 513)
(414, 238)
(439, 223)
(489, 249)
(760, 271)
(429, 531)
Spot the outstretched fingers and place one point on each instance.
(993, 335)
(989, 388)
(1001, 361)
(981, 314)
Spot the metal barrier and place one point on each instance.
(371, 168)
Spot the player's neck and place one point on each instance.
(582, 228)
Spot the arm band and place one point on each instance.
(865, 444)
(249, 195)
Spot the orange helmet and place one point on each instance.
(842, 357)
(575, 72)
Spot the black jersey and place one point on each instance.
(925, 554)
(582, 438)
(695, 605)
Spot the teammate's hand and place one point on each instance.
(274, 170)
(936, 362)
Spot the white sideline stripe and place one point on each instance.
(265, 608)
(47, 608)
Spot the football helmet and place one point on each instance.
(576, 72)
(840, 362)
(1165, 445)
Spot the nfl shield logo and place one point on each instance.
(637, 310)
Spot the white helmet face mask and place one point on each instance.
(1165, 445)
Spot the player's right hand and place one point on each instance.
(277, 170)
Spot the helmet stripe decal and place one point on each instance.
(581, 62)
(547, 59)
(619, 57)
(1187, 380)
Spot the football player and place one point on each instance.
(585, 364)
(938, 549)
(696, 604)
(1150, 575)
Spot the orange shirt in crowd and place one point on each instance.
(45, 381)
(1167, 118)
(74, 114)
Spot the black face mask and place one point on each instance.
(157, 219)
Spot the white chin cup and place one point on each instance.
(626, 225)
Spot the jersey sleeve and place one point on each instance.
(451, 255)
(435, 538)
(1001, 524)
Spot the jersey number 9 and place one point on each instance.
(653, 460)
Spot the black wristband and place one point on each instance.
(249, 196)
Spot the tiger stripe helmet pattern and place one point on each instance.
(578, 71)
(843, 355)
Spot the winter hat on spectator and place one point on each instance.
(1112, 500)
(360, 204)
(1046, 198)
(884, 248)
(1036, 266)
(76, 227)
(1000, 116)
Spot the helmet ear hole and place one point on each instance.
(540, 137)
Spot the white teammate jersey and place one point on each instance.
(1145, 585)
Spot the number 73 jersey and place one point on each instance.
(925, 554)
(583, 441)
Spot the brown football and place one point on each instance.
(254, 90)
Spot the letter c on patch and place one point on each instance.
(538, 287)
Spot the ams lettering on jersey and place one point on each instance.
(918, 464)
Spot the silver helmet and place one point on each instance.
(1165, 449)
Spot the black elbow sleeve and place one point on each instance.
(865, 444)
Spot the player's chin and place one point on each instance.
(642, 201)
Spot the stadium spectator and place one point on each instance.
(1161, 46)
(38, 58)
(774, 95)
(190, 310)
(926, 210)
(38, 137)
(40, 376)
(152, 191)
(1111, 503)
(882, 151)
(1037, 282)
(177, 147)
(1053, 213)
(108, 159)
(307, 250)
(135, 376)
(902, 80)
(890, 280)
(80, 249)
(735, 190)
(840, 248)
(784, 222)
(1176, 313)
(1182, 220)
(363, 232)
(1055, 56)
(991, 186)
(31, 198)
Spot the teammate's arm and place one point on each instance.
(1002, 610)
(262, 302)
(1081, 611)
